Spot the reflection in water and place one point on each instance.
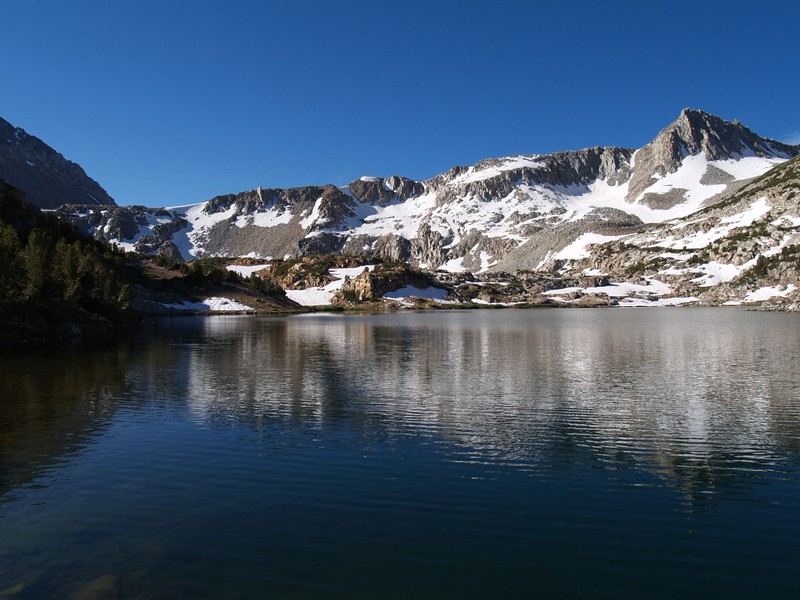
(51, 404)
(694, 399)
(213, 457)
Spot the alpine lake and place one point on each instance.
(537, 453)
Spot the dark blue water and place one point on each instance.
(576, 453)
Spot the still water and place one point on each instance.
(540, 453)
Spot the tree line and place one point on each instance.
(45, 261)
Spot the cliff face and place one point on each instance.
(47, 178)
(696, 133)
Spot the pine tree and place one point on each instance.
(37, 257)
(11, 270)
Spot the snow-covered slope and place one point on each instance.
(520, 212)
(744, 249)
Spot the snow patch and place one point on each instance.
(454, 265)
(475, 174)
(714, 273)
(579, 248)
(213, 304)
(246, 270)
(750, 216)
(323, 296)
(765, 293)
(268, 218)
(314, 216)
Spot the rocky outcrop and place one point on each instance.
(385, 191)
(371, 285)
(743, 250)
(698, 133)
(47, 178)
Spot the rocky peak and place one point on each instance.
(583, 167)
(698, 133)
(47, 178)
(384, 191)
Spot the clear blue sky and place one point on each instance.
(173, 102)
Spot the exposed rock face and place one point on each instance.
(371, 285)
(743, 250)
(699, 133)
(385, 191)
(512, 213)
(47, 178)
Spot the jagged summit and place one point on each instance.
(48, 179)
(702, 135)
(717, 139)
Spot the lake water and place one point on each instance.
(622, 453)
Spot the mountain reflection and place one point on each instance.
(52, 403)
(701, 398)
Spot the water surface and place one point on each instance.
(570, 453)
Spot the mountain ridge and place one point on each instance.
(48, 179)
(507, 213)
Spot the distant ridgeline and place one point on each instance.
(708, 212)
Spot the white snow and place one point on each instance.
(370, 178)
(454, 265)
(246, 270)
(627, 294)
(701, 239)
(526, 208)
(641, 302)
(600, 194)
(765, 293)
(687, 177)
(716, 272)
(621, 290)
(213, 304)
(30, 164)
(758, 209)
(486, 261)
(312, 296)
(579, 248)
(475, 173)
(398, 218)
(314, 216)
(191, 240)
(129, 244)
(322, 296)
(268, 218)
(787, 221)
(747, 167)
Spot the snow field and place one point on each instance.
(212, 304)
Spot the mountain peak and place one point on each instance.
(699, 132)
(47, 178)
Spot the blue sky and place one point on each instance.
(173, 102)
